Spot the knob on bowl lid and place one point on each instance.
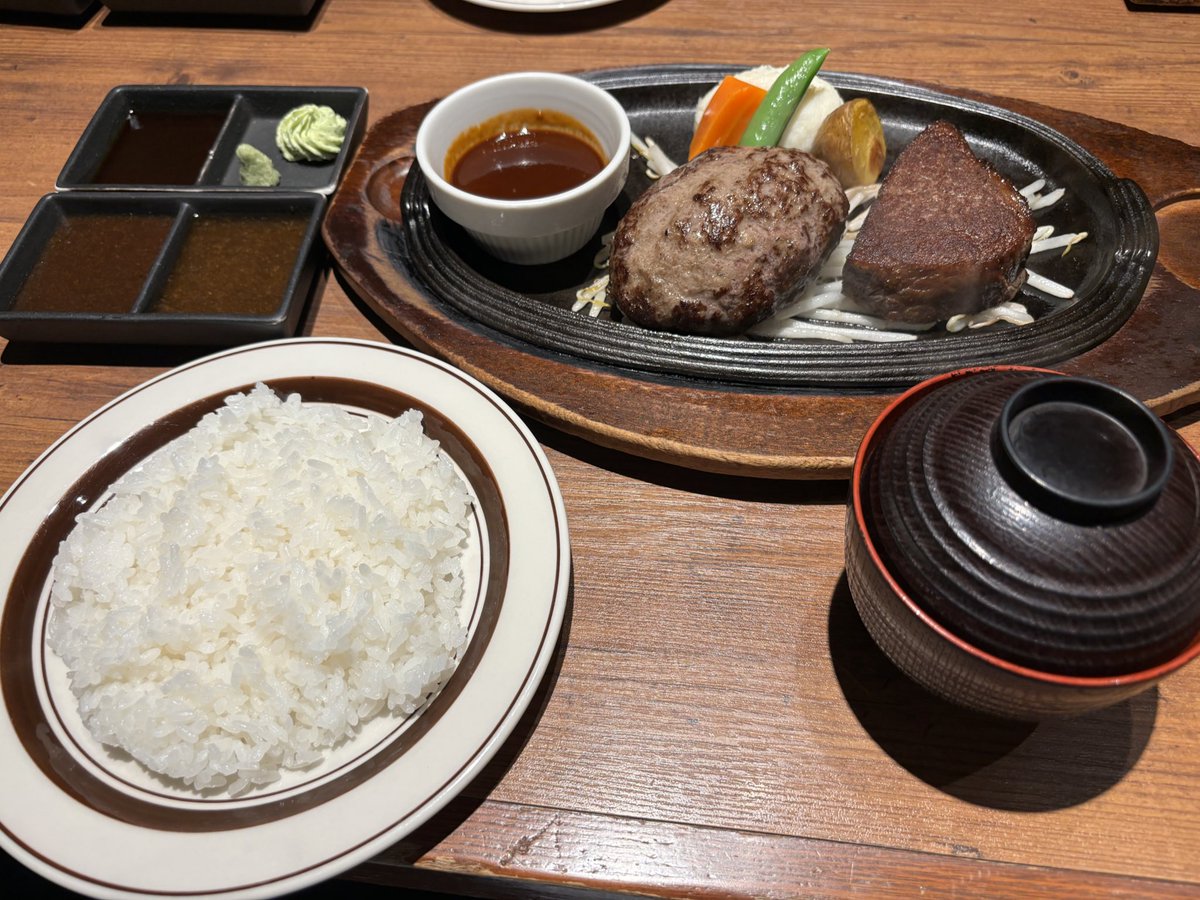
(1082, 450)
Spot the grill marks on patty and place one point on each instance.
(720, 222)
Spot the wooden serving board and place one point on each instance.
(1155, 355)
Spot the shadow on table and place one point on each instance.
(693, 481)
(1166, 6)
(411, 848)
(29, 353)
(25, 884)
(26, 353)
(66, 21)
(251, 22)
(543, 22)
(1022, 766)
(1182, 418)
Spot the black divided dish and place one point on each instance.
(245, 114)
(1065, 553)
(161, 267)
(152, 238)
(532, 305)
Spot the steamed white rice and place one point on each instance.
(260, 587)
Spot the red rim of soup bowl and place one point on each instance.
(1079, 681)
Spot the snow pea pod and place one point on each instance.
(767, 124)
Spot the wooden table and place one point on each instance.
(716, 721)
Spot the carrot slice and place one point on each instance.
(726, 116)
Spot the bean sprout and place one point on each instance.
(658, 163)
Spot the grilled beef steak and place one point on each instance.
(947, 235)
(719, 244)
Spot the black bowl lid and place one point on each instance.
(1050, 521)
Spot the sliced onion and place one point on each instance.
(1066, 241)
(658, 163)
(1044, 284)
(1032, 188)
(1041, 201)
(1014, 313)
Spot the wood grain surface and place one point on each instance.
(717, 721)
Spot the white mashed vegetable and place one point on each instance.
(258, 588)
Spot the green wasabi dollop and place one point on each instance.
(310, 133)
(255, 168)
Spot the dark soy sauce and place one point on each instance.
(160, 148)
(523, 154)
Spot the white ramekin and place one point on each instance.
(543, 229)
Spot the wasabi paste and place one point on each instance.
(255, 168)
(310, 133)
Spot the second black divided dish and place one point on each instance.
(161, 267)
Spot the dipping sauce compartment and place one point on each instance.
(92, 262)
(160, 147)
(255, 250)
(185, 137)
(161, 267)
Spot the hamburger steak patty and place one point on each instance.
(722, 242)
(948, 234)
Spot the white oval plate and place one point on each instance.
(93, 821)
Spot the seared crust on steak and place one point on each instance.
(721, 243)
(948, 234)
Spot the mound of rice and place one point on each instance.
(260, 587)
